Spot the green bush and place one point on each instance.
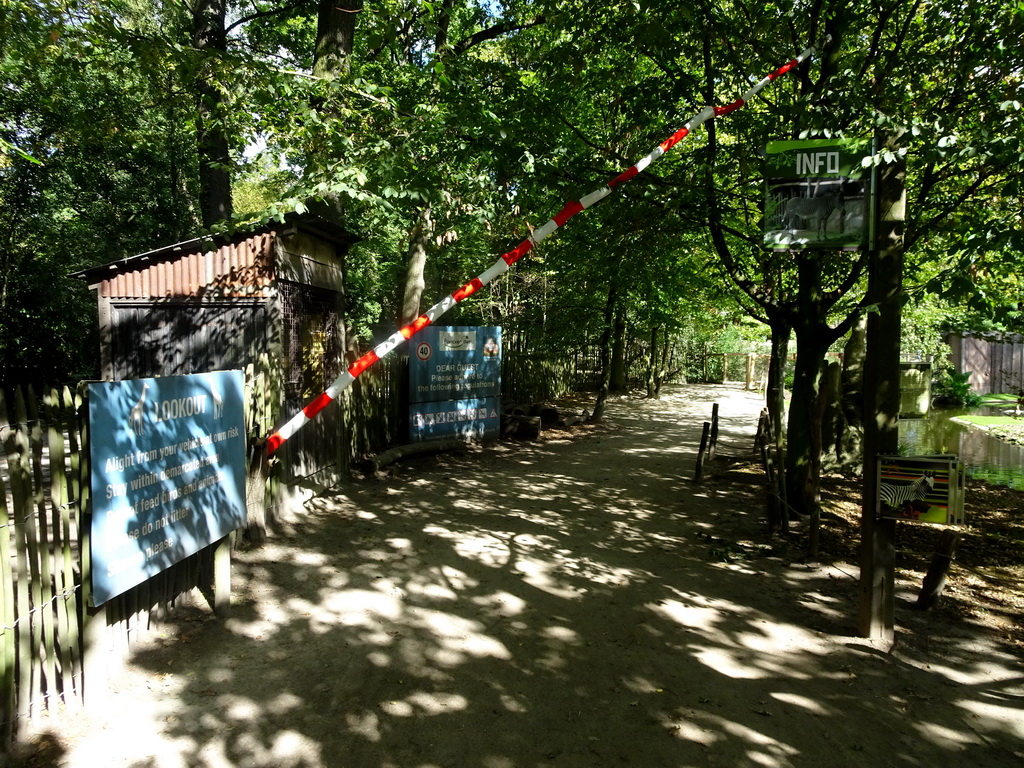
(954, 388)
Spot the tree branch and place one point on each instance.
(917, 232)
(493, 32)
(855, 273)
(583, 137)
(263, 14)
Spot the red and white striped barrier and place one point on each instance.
(339, 385)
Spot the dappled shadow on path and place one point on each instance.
(564, 603)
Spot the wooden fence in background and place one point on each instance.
(995, 361)
(529, 378)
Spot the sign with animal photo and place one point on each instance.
(925, 489)
(817, 195)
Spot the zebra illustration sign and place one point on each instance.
(926, 489)
(818, 195)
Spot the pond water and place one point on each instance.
(986, 458)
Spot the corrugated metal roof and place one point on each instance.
(241, 268)
(207, 267)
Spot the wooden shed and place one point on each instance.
(270, 301)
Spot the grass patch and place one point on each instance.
(1006, 428)
(987, 422)
(999, 399)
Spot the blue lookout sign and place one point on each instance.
(168, 473)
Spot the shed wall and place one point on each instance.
(178, 338)
(312, 346)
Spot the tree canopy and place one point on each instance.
(441, 132)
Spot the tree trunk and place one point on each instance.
(415, 282)
(606, 352)
(666, 361)
(831, 394)
(652, 371)
(618, 373)
(775, 402)
(391, 455)
(876, 603)
(335, 36)
(803, 432)
(935, 580)
(821, 438)
(444, 19)
(209, 37)
(803, 436)
(423, 228)
(851, 428)
(776, 388)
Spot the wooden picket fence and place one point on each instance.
(41, 603)
(531, 378)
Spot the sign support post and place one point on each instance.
(222, 576)
(876, 604)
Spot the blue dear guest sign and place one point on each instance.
(455, 383)
(168, 473)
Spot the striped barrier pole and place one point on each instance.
(340, 384)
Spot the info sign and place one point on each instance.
(168, 473)
(455, 383)
(818, 195)
(927, 489)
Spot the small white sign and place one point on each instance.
(458, 341)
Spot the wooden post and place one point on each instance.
(877, 606)
(222, 576)
(96, 639)
(935, 580)
(698, 475)
(95, 659)
(763, 426)
(8, 646)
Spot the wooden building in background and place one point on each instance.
(994, 360)
(270, 302)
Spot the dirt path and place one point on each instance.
(562, 603)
